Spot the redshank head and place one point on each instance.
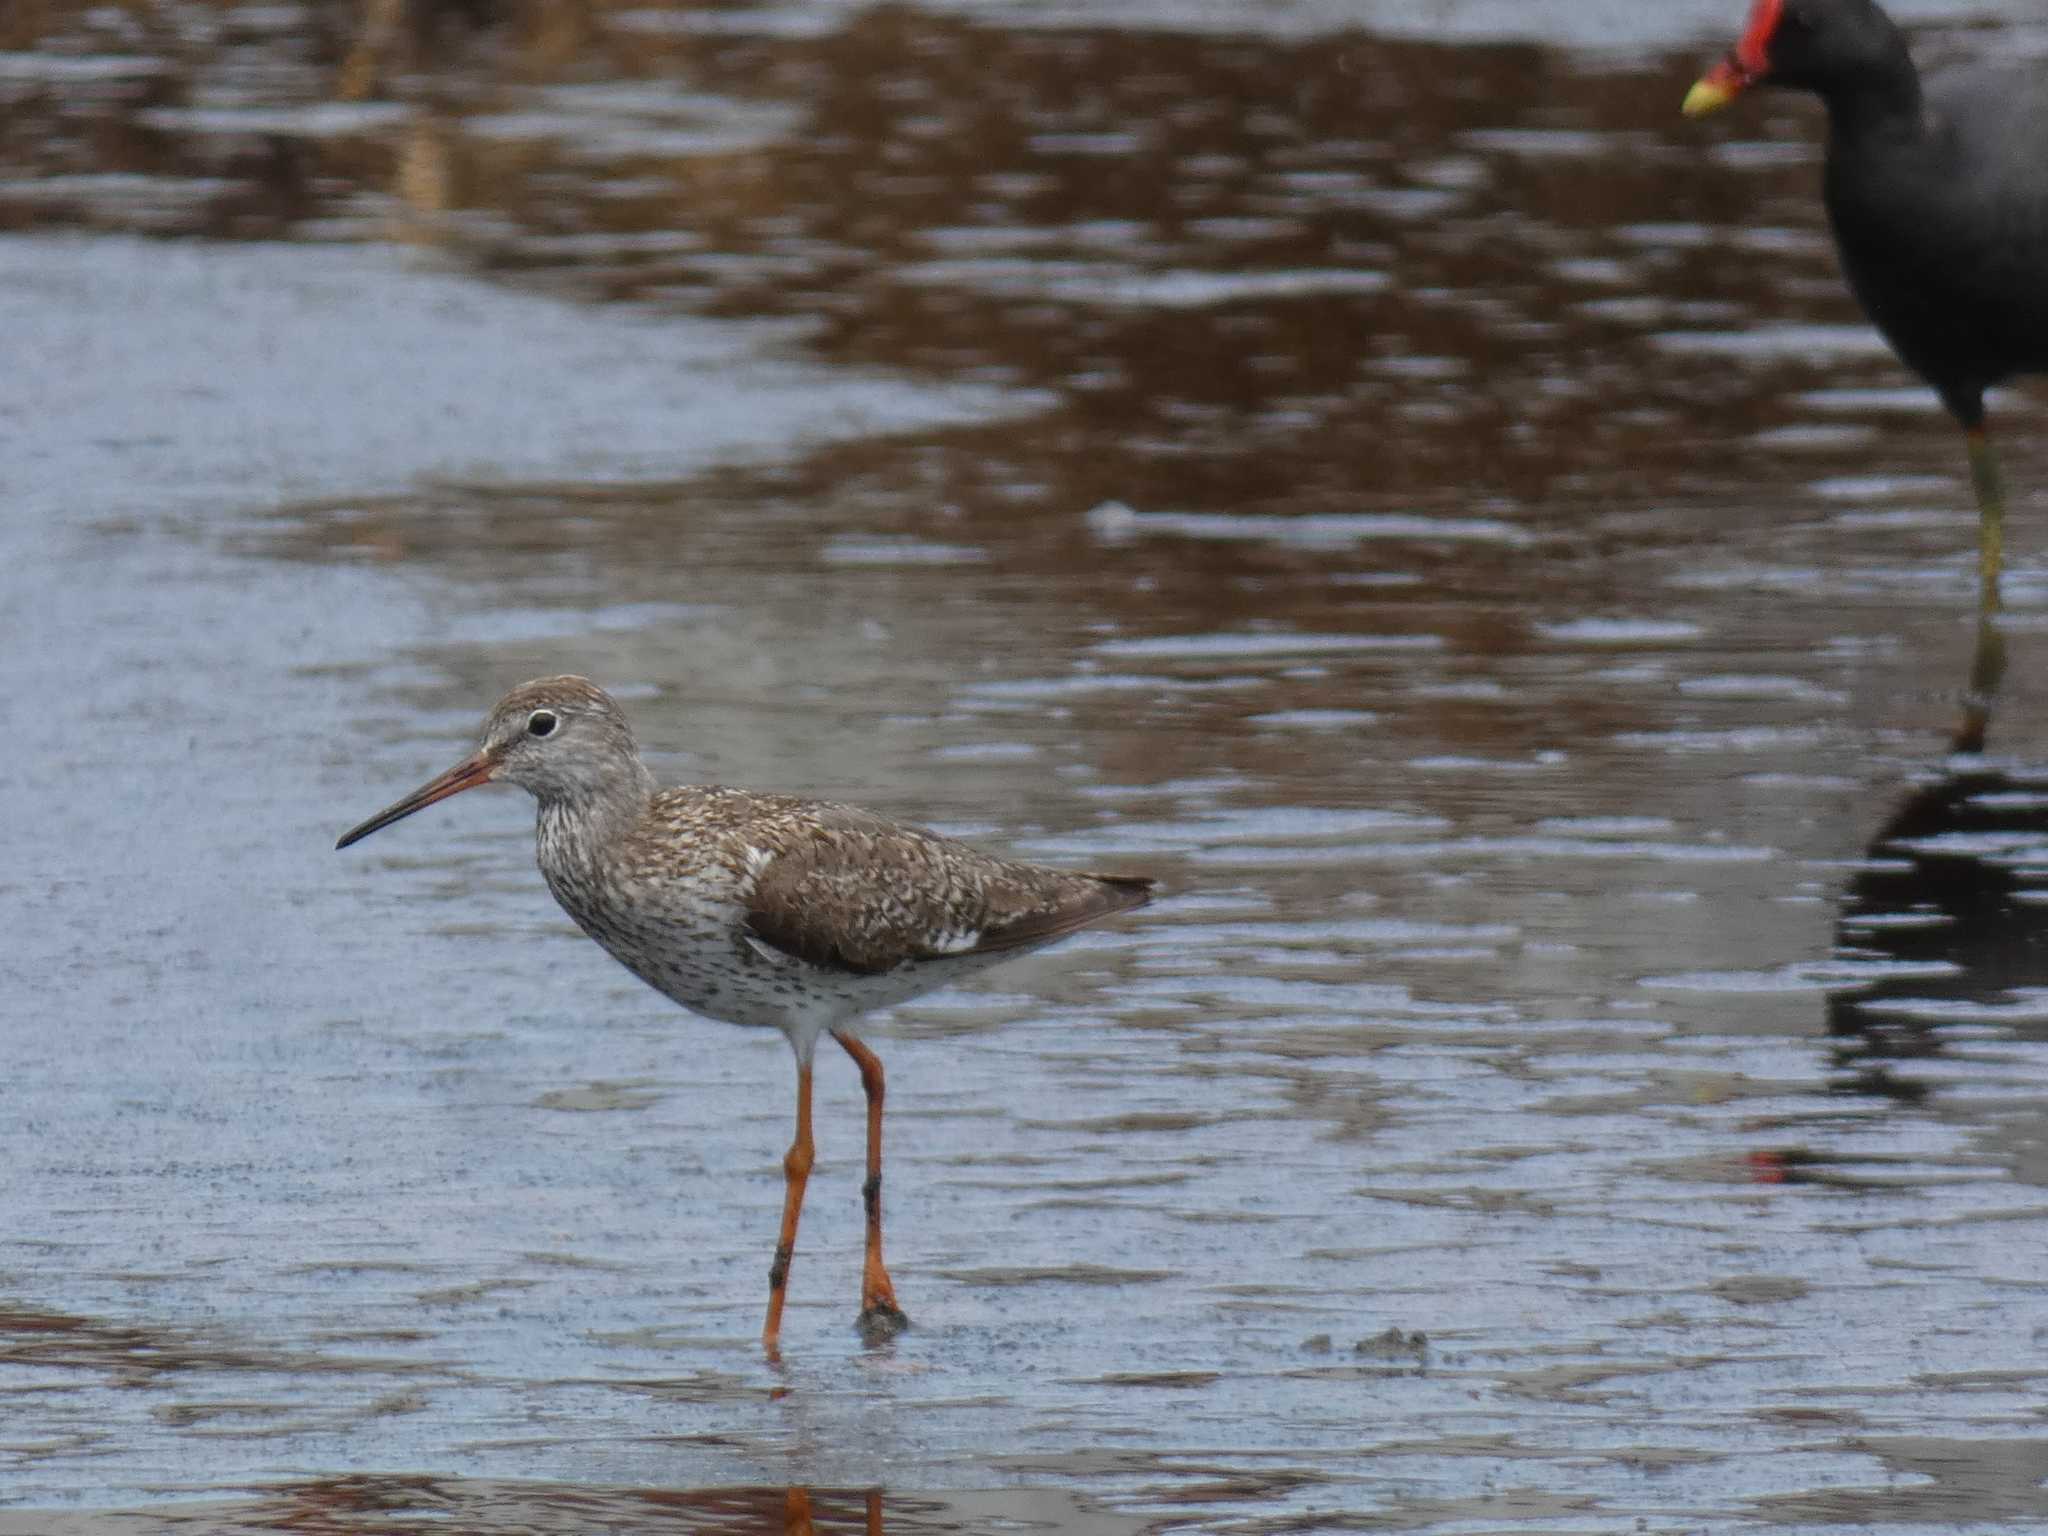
(561, 738)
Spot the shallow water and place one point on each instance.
(1418, 497)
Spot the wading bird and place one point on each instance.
(766, 910)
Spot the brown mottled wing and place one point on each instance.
(854, 892)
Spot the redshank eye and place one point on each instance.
(540, 723)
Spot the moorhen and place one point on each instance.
(1938, 193)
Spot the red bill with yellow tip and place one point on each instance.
(1747, 62)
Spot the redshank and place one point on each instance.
(764, 910)
(1938, 193)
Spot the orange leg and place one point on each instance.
(880, 1317)
(796, 1172)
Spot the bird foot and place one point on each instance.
(881, 1321)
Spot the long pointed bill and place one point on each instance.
(467, 774)
(1716, 88)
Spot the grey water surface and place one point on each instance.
(1375, 468)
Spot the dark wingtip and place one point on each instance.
(1129, 892)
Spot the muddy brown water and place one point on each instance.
(1384, 474)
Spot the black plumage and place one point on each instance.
(1937, 190)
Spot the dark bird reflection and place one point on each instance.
(360, 1504)
(1952, 904)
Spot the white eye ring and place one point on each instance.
(541, 722)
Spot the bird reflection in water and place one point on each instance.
(1952, 902)
(1948, 915)
(797, 1519)
(415, 1501)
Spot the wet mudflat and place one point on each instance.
(1404, 488)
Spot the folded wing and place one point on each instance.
(850, 891)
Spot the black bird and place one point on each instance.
(1937, 189)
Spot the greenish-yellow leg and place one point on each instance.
(1990, 488)
(1987, 666)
